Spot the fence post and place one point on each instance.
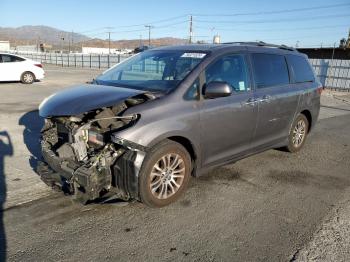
(62, 59)
(99, 61)
(82, 60)
(108, 60)
(56, 58)
(118, 58)
(90, 60)
(68, 60)
(75, 60)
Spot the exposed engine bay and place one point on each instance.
(85, 157)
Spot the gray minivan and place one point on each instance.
(143, 127)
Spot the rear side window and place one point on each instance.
(11, 58)
(6, 58)
(270, 70)
(301, 69)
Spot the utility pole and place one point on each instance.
(109, 43)
(71, 38)
(191, 29)
(62, 39)
(109, 38)
(333, 51)
(38, 44)
(149, 34)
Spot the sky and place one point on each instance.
(297, 23)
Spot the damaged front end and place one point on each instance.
(84, 156)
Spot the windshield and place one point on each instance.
(152, 70)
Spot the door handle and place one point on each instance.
(265, 98)
(251, 102)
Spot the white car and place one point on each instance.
(17, 68)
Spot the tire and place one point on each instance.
(165, 174)
(27, 78)
(297, 134)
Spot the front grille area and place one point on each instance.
(63, 134)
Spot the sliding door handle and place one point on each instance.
(265, 98)
(251, 102)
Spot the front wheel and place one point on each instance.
(165, 174)
(27, 78)
(298, 133)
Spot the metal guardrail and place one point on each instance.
(333, 73)
(76, 60)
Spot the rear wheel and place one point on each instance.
(165, 174)
(298, 133)
(27, 78)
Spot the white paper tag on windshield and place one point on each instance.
(194, 55)
(241, 86)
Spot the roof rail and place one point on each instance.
(261, 43)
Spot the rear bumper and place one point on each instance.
(40, 75)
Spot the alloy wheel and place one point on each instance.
(167, 176)
(299, 132)
(28, 78)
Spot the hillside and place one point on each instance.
(31, 35)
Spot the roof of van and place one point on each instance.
(239, 45)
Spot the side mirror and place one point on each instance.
(216, 89)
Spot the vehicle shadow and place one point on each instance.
(32, 123)
(6, 149)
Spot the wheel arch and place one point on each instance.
(308, 116)
(187, 144)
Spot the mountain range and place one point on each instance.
(32, 35)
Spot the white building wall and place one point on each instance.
(96, 50)
(26, 48)
(100, 50)
(4, 46)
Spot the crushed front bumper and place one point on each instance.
(91, 180)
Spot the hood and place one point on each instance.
(84, 98)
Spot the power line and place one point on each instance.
(213, 15)
(155, 22)
(92, 30)
(139, 30)
(169, 25)
(279, 11)
(273, 20)
(141, 25)
(272, 30)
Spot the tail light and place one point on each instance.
(39, 65)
